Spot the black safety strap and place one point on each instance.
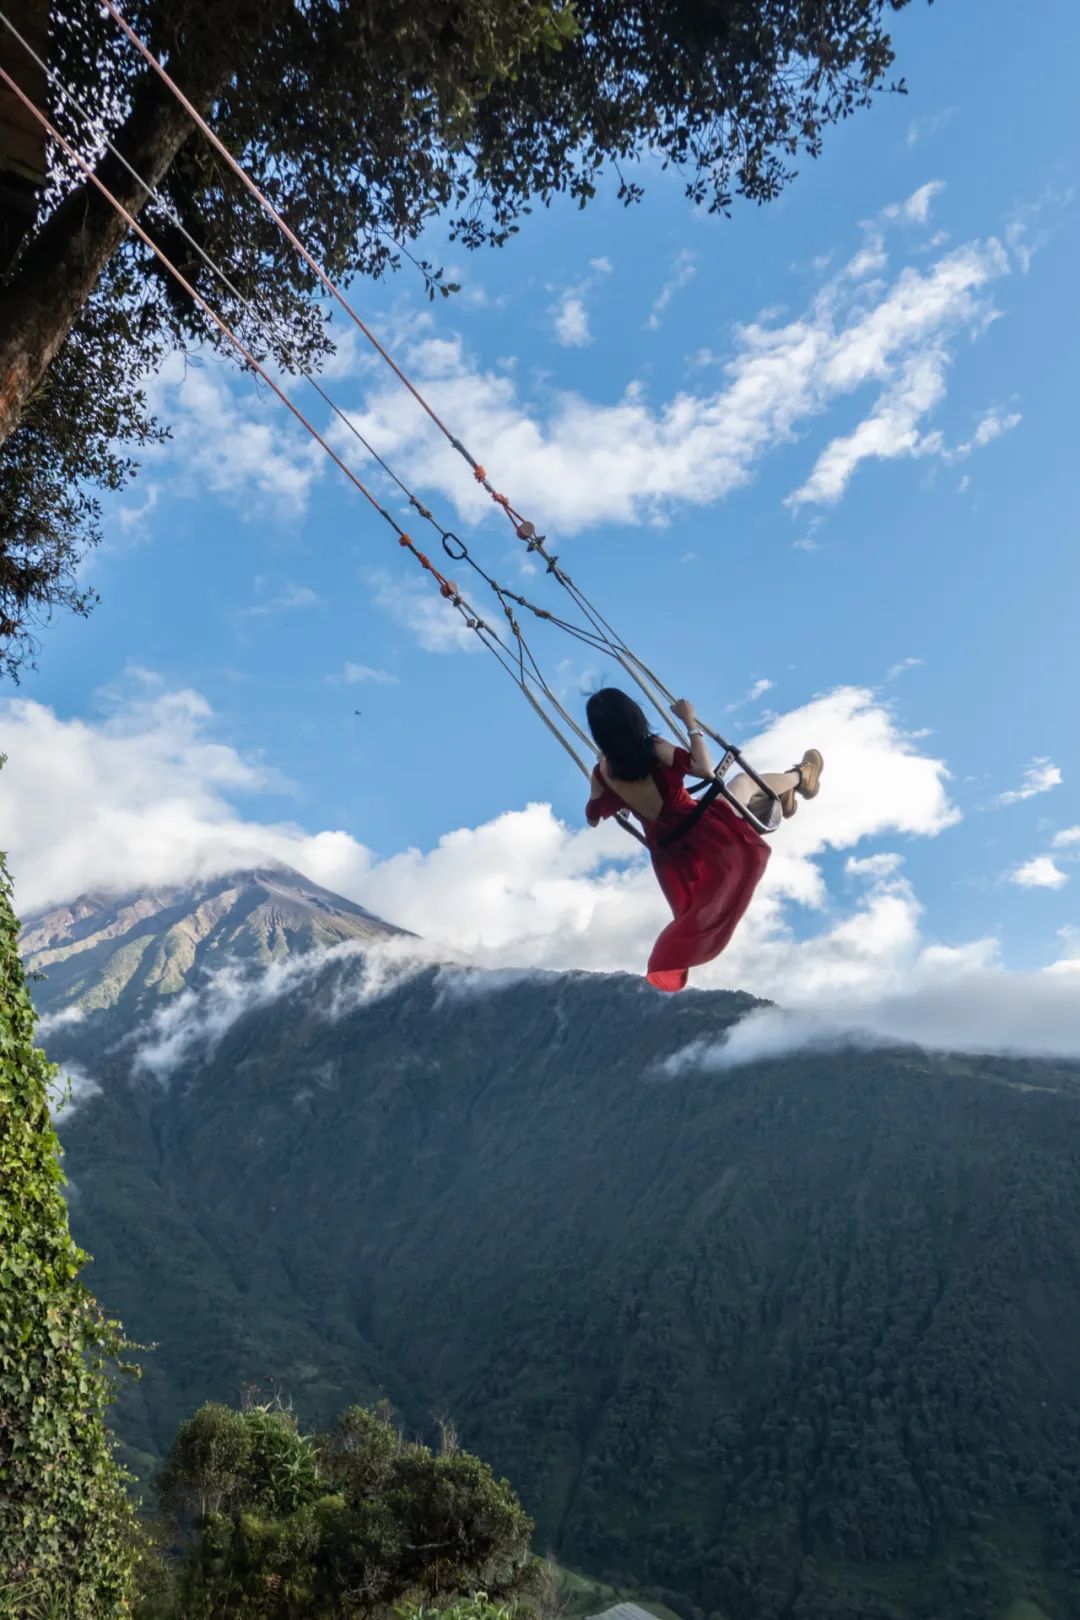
(690, 821)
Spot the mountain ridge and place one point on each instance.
(103, 947)
(793, 1341)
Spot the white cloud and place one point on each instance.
(356, 674)
(762, 1035)
(1041, 872)
(148, 796)
(71, 1088)
(891, 430)
(231, 440)
(993, 424)
(757, 690)
(132, 519)
(970, 1007)
(418, 606)
(455, 984)
(59, 1020)
(921, 129)
(1068, 965)
(290, 598)
(683, 270)
(870, 258)
(569, 461)
(572, 322)
(884, 865)
(1027, 232)
(1039, 777)
(1067, 838)
(139, 798)
(916, 210)
(894, 671)
(200, 1018)
(570, 311)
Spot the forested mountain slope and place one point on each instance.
(797, 1338)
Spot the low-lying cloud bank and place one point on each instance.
(149, 797)
(197, 1019)
(71, 1088)
(983, 1010)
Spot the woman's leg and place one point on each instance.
(803, 780)
(745, 789)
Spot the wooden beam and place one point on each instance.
(23, 143)
(22, 140)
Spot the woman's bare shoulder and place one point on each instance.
(665, 751)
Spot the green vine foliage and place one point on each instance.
(67, 1533)
(477, 1607)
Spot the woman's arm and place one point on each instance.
(699, 754)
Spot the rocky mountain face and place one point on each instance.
(795, 1340)
(102, 950)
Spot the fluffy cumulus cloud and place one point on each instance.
(1041, 872)
(1046, 871)
(886, 340)
(861, 333)
(149, 796)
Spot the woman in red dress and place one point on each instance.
(708, 871)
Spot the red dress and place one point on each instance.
(708, 875)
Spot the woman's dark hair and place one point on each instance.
(621, 732)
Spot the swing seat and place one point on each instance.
(769, 813)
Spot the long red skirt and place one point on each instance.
(708, 877)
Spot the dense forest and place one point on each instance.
(260, 1520)
(794, 1339)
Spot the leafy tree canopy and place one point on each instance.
(361, 123)
(283, 1524)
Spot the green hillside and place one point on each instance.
(794, 1341)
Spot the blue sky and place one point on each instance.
(826, 445)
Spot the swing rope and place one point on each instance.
(601, 635)
(527, 672)
(525, 530)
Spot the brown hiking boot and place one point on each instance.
(809, 769)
